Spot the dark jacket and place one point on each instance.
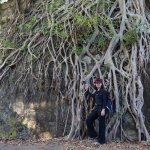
(99, 97)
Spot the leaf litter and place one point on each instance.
(76, 144)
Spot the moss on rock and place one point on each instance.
(9, 130)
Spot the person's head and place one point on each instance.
(98, 83)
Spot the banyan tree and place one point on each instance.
(64, 44)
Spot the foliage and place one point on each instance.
(102, 42)
(105, 68)
(84, 25)
(107, 23)
(130, 38)
(78, 50)
(7, 43)
(55, 4)
(58, 30)
(25, 28)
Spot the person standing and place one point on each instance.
(99, 97)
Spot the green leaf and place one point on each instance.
(21, 34)
(36, 29)
(32, 19)
(7, 43)
(78, 50)
(124, 102)
(121, 113)
(105, 68)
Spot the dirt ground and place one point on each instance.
(62, 144)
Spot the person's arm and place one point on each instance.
(104, 103)
(88, 92)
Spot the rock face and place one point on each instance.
(24, 118)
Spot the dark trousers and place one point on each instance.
(96, 113)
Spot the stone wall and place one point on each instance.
(28, 115)
(22, 118)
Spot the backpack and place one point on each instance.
(109, 104)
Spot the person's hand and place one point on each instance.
(86, 87)
(103, 112)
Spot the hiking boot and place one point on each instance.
(98, 143)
